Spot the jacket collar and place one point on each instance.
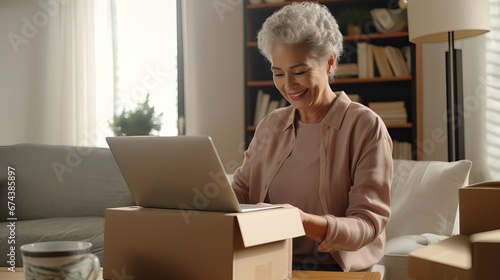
(333, 118)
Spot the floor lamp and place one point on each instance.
(446, 21)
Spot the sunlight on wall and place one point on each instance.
(146, 58)
(492, 114)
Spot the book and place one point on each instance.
(370, 64)
(382, 62)
(265, 105)
(366, 67)
(262, 106)
(397, 61)
(394, 116)
(385, 105)
(401, 150)
(401, 61)
(406, 50)
(347, 70)
(391, 112)
(362, 59)
(258, 103)
(393, 121)
(273, 105)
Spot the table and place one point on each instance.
(296, 275)
(324, 275)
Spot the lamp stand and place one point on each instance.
(454, 101)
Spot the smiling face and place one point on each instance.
(302, 80)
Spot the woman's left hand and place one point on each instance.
(315, 226)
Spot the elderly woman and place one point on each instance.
(324, 154)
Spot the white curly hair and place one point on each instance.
(306, 23)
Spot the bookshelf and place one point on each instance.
(373, 88)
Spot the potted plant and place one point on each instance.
(353, 20)
(141, 121)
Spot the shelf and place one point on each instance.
(376, 89)
(359, 37)
(252, 44)
(372, 80)
(260, 83)
(286, 2)
(341, 81)
(375, 36)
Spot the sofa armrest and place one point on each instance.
(61, 181)
(403, 245)
(397, 249)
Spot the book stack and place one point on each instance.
(401, 150)
(388, 61)
(347, 70)
(266, 105)
(382, 62)
(391, 112)
(397, 61)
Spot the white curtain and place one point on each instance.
(79, 71)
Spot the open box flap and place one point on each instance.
(488, 184)
(265, 226)
(492, 236)
(454, 252)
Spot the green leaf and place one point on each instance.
(141, 121)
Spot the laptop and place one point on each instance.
(176, 172)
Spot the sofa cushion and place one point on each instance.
(424, 196)
(395, 258)
(61, 181)
(89, 229)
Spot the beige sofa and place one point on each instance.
(424, 209)
(60, 193)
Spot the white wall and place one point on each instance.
(214, 79)
(475, 100)
(434, 104)
(214, 76)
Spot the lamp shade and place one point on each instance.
(431, 20)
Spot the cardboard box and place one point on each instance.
(472, 255)
(448, 259)
(486, 254)
(479, 207)
(148, 243)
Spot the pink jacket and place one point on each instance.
(355, 176)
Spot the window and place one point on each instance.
(145, 58)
